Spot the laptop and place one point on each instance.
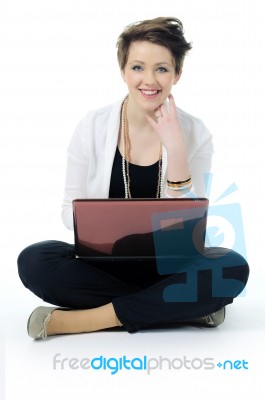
(139, 229)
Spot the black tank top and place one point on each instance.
(143, 179)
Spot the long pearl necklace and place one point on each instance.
(126, 155)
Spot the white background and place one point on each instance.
(58, 60)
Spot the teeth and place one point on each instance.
(149, 92)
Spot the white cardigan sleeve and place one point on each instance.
(201, 160)
(90, 158)
(76, 173)
(199, 150)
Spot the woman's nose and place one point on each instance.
(149, 78)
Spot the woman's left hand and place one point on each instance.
(167, 127)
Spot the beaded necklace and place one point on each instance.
(126, 155)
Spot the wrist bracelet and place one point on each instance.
(180, 187)
(179, 182)
(183, 192)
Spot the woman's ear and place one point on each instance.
(177, 77)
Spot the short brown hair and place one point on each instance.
(164, 31)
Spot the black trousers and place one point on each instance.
(142, 297)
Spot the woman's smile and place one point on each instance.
(150, 94)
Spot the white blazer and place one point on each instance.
(92, 149)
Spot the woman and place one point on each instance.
(142, 146)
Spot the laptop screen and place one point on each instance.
(108, 229)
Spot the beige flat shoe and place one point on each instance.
(211, 320)
(38, 322)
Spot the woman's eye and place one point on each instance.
(162, 69)
(137, 68)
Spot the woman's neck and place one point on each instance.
(136, 117)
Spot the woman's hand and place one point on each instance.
(168, 128)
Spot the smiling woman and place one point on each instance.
(142, 146)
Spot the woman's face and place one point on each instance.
(149, 74)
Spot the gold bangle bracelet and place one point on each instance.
(179, 182)
(182, 187)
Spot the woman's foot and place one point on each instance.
(38, 322)
(211, 320)
(47, 321)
